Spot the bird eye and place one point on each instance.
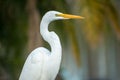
(57, 15)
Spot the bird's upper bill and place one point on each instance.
(69, 16)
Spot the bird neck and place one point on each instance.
(51, 38)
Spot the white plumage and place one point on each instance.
(42, 64)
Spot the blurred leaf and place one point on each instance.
(96, 12)
(13, 36)
(73, 39)
(112, 16)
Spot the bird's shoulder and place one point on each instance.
(38, 54)
(41, 50)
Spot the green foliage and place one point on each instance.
(13, 36)
(98, 15)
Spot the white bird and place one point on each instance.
(42, 64)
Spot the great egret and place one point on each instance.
(42, 64)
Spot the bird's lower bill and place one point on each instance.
(70, 16)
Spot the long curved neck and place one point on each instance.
(52, 39)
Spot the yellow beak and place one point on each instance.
(70, 16)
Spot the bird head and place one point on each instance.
(55, 15)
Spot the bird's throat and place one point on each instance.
(50, 37)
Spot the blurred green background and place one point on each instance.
(91, 47)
